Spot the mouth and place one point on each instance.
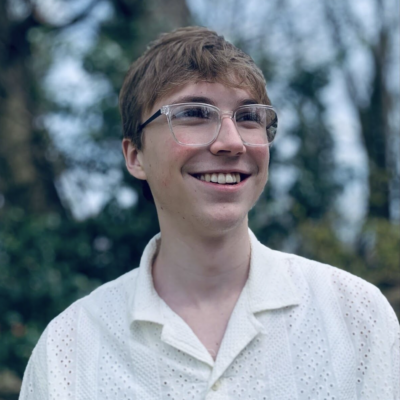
(222, 178)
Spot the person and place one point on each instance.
(211, 313)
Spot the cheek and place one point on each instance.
(261, 155)
(165, 163)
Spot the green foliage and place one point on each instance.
(314, 185)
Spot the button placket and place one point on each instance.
(216, 385)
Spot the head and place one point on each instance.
(186, 55)
(193, 63)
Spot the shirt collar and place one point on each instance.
(144, 302)
(268, 287)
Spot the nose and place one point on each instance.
(228, 141)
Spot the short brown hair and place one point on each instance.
(185, 55)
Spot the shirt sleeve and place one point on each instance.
(394, 330)
(35, 382)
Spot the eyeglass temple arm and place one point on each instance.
(152, 118)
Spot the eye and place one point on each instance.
(192, 112)
(271, 130)
(248, 116)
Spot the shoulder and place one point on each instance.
(353, 298)
(345, 319)
(313, 273)
(111, 297)
(90, 317)
(74, 338)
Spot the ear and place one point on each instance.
(133, 159)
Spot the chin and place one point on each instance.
(222, 220)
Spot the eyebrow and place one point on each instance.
(207, 100)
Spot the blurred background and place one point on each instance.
(72, 218)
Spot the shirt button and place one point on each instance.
(216, 385)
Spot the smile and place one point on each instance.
(231, 178)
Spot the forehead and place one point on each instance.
(224, 97)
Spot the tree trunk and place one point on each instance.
(376, 133)
(26, 175)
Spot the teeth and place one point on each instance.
(228, 178)
(220, 178)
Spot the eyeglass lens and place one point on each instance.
(199, 124)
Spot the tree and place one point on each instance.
(26, 175)
(375, 104)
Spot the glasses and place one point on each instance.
(198, 124)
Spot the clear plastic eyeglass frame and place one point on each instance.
(166, 110)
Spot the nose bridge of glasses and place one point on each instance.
(231, 116)
(226, 114)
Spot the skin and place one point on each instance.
(203, 261)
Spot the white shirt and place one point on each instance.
(300, 330)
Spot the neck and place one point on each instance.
(199, 270)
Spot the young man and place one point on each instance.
(211, 312)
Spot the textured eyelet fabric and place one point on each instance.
(300, 330)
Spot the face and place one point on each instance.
(174, 171)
